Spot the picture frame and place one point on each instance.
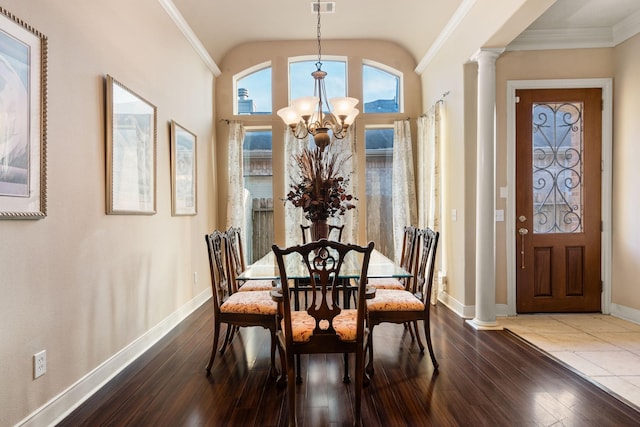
(183, 171)
(131, 141)
(23, 119)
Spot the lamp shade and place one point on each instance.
(342, 106)
(351, 117)
(305, 106)
(289, 115)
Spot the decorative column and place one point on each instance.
(485, 317)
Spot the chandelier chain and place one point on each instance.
(319, 63)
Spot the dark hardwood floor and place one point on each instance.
(486, 378)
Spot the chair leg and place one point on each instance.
(216, 335)
(359, 384)
(414, 325)
(282, 379)
(298, 375)
(231, 329)
(427, 333)
(291, 390)
(273, 371)
(346, 379)
(369, 367)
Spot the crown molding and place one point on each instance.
(627, 28)
(570, 38)
(444, 35)
(577, 38)
(181, 23)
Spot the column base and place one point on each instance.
(481, 325)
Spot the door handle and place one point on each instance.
(522, 232)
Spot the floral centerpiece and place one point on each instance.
(318, 186)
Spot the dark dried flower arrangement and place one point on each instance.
(318, 188)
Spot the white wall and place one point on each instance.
(81, 284)
(626, 174)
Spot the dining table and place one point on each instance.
(380, 266)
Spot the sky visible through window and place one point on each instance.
(377, 84)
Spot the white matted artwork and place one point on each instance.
(183, 171)
(23, 119)
(131, 133)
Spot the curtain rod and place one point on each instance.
(439, 101)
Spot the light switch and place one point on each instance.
(504, 191)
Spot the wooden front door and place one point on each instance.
(558, 200)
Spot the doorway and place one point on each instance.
(558, 228)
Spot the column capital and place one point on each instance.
(487, 53)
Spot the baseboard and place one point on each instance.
(466, 312)
(63, 404)
(626, 313)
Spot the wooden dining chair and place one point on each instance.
(324, 327)
(236, 309)
(302, 285)
(407, 306)
(408, 261)
(236, 265)
(334, 230)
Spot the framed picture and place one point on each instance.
(183, 171)
(131, 134)
(23, 119)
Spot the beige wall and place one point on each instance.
(278, 53)
(626, 175)
(79, 283)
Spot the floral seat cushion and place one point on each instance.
(385, 283)
(257, 302)
(394, 300)
(302, 325)
(256, 285)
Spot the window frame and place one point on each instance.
(387, 69)
(245, 73)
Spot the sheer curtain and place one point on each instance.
(429, 183)
(293, 216)
(429, 169)
(404, 192)
(235, 197)
(350, 218)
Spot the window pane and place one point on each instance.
(557, 167)
(254, 93)
(258, 180)
(381, 90)
(302, 83)
(379, 162)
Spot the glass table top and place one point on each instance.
(267, 267)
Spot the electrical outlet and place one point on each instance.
(39, 364)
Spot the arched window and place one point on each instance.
(382, 89)
(301, 82)
(253, 90)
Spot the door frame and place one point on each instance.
(607, 143)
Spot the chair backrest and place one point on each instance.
(234, 255)
(219, 281)
(409, 259)
(323, 260)
(306, 233)
(426, 266)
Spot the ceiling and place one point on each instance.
(414, 24)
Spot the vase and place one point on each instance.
(319, 229)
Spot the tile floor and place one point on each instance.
(604, 348)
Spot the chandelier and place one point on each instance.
(315, 115)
